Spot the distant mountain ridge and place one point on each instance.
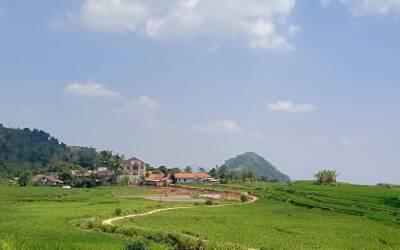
(250, 161)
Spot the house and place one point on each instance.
(103, 173)
(136, 170)
(193, 177)
(102, 169)
(157, 179)
(135, 166)
(82, 173)
(48, 180)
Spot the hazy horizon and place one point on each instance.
(308, 85)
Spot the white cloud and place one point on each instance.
(369, 7)
(143, 104)
(260, 23)
(289, 107)
(109, 15)
(227, 126)
(91, 89)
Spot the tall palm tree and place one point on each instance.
(106, 158)
(117, 163)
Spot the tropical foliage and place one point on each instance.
(26, 152)
(325, 177)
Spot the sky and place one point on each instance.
(308, 85)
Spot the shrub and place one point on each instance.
(209, 202)
(90, 225)
(244, 198)
(137, 245)
(392, 201)
(84, 182)
(24, 178)
(118, 211)
(325, 177)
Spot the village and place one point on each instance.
(134, 172)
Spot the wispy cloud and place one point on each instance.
(368, 7)
(226, 126)
(261, 24)
(91, 89)
(290, 107)
(143, 104)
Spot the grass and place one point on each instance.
(48, 218)
(296, 216)
(303, 215)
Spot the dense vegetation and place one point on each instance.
(26, 152)
(253, 163)
(27, 148)
(326, 177)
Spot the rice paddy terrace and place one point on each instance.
(286, 216)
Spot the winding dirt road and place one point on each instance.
(110, 221)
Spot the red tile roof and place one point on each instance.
(192, 175)
(156, 177)
(201, 175)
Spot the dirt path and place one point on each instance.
(110, 221)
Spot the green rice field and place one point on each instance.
(286, 216)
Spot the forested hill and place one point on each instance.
(25, 145)
(251, 162)
(36, 149)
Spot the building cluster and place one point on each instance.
(135, 172)
(139, 175)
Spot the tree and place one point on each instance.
(24, 178)
(201, 169)
(86, 157)
(125, 180)
(223, 172)
(84, 182)
(173, 178)
(251, 176)
(35, 147)
(325, 177)
(213, 173)
(187, 169)
(117, 163)
(60, 166)
(174, 170)
(66, 176)
(163, 169)
(106, 158)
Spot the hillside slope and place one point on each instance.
(23, 149)
(18, 146)
(252, 162)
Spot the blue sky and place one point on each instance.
(308, 85)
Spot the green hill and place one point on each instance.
(34, 150)
(251, 162)
(24, 145)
